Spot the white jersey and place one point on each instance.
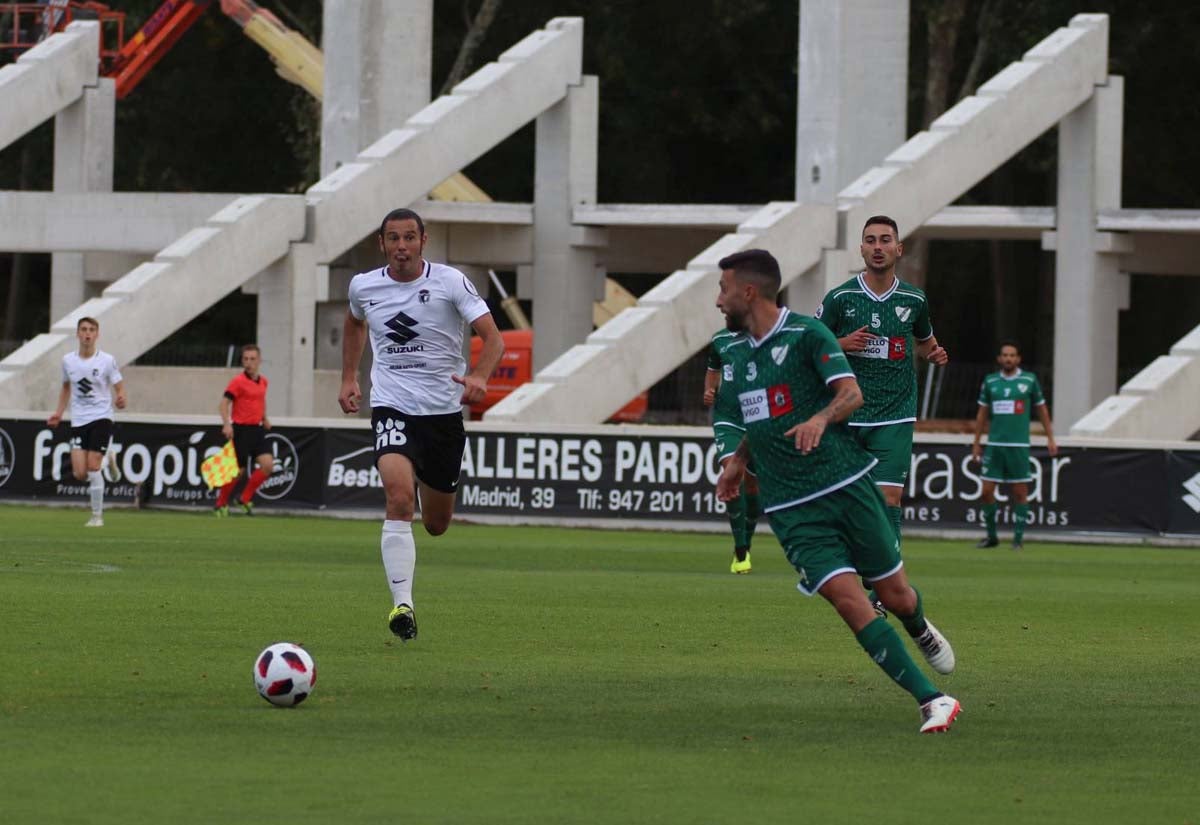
(416, 332)
(92, 380)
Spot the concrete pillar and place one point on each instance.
(853, 90)
(286, 328)
(377, 72)
(1089, 286)
(566, 280)
(83, 162)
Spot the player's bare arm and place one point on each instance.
(120, 390)
(981, 421)
(856, 341)
(932, 352)
(1044, 417)
(475, 382)
(712, 383)
(733, 472)
(64, 395)
(847, 398)
(354, 338)
(226, 410)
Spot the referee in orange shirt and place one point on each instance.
(244, 421)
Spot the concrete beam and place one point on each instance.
(47, 79)
(449, 133)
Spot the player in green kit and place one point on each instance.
(1008, 397)
(880, 322)
(791, 389)
(743, 510)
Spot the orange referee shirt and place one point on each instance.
(249, 399)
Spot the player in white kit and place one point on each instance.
(90, 378)
(415, 312)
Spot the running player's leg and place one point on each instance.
(265, 465)
(94, 459)
(397, 547)
(876, 636)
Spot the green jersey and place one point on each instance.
(1010, 400)
(886, 372)
(773, 384)
(725, 409)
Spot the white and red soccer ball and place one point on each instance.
(284, 674)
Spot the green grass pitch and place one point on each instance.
(575, 676)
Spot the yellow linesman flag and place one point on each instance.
(220, 468)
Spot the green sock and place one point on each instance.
(753, 511)
(1022, 513)
(736, 511)
(914, 624)
(989, 518)
(895, 514)
(885, 647)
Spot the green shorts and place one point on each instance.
(1006, 464)
(727, 440)
(892, 445)
(846, 531)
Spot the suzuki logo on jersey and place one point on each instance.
(904, 313)
(778, 354)
(389, 433)
(401, 328)
(85, 386)
(779, 400)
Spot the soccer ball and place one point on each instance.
(284, 674)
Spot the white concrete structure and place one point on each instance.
(918, 179)
(852, 97)
(384, 147)
(47, 79)
(1162, 400)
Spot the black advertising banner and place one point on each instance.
(608, 475)
(160, 464)
(1183, 491)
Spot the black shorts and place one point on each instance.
(93, 436)
(249, 442)
(433, 443)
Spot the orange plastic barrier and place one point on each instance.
(516, 367)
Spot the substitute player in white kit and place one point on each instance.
(415, 311)
(90, 379)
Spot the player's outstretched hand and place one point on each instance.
(938, 356)
(474, 387)
(808, 435)
(349, 397)
(856, 341)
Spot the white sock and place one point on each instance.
(96, 491)
(399, 559)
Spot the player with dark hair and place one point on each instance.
(90, 380)
(415, 311)
(1008, 398)
(881, 322)
(244, 421)
(793, 389)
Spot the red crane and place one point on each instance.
(24, 25)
